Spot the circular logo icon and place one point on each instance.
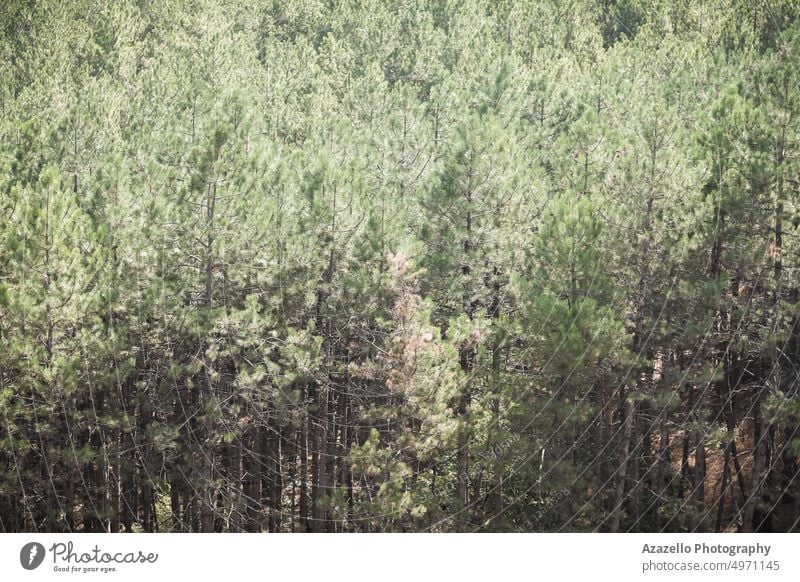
(31, 555)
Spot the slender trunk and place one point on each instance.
(684, 464)
(462, 475)
(663, 464)
(291, 474)
(175, 505)
(236, 487)
(698, 489)
(345, 477)
(495, 402)
(208, 493)
(146, 500)
(760, 430)
(467, 356)
(629, 408)
(304, 438)
(723, 488)
(321, 485)
(276, 494)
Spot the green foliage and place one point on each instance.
(410, 266)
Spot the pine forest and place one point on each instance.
(408, 266)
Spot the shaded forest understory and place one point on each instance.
(365, 266)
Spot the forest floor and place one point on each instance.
(784, 512)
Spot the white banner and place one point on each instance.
(399, 557)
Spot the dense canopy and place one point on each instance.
(359, 266)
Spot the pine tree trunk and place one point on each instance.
(497, 445)
(723, 489)
(629, 409)
(321, 484)
(292, 446)
(757, 474)
(304, 439)
(698, 489)
(466, 359)
(175, 505)
(276, 494)
(462, 475)
(662, 469)
(208, 493)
